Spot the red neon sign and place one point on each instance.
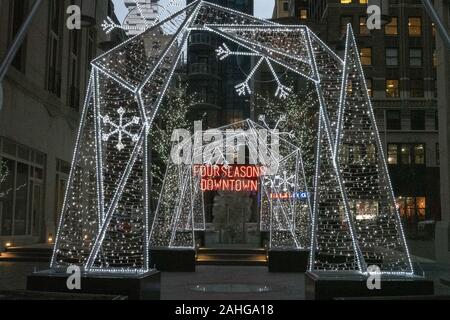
(229, 178)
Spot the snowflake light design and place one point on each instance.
(120, 128)
(242, 89)
(285, 181)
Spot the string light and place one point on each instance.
(105, 222)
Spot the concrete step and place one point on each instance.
(12, 257)
(231, 251)
(26, 254)
(226, 262)
(232, 257)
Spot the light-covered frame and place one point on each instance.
(105, 221)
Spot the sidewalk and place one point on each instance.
(222, 283)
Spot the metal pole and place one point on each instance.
(438, 22)
(11, 53)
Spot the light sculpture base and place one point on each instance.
(173, 260)
(325, 285)
(288, 260)
(139, 286)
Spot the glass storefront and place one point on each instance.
(21, 190)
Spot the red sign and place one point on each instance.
(229, 178)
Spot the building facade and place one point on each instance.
(442, 238)
(212, 80)
(212, 84)
(44, 91)
(400, 65)
(147, 13)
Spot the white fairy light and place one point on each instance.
(104, 224)
(120, 129)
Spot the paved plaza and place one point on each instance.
(220, 282)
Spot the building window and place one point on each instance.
(416, 88)
(412, 209)
(418, 120)
(303, 14)
(392, 57)
(415, 57)
(346, 1)
(285, 6)
(369, 87)
(435, 59)
(436, 120)
(438, 155)
(358, 154)
(392, 89)
(363, 29)
(18, 12)
(406, 154)
(393, 120)
(366, 56)
(21, 190)
(392, 154)
(62, 176)
(74, 70)
(391, 29)
(54, 49)
(415, 26)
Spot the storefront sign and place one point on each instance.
(238, 178)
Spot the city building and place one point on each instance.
(442, 238)
(400, 65)
(212, 82)
(43, 96)
(146, 13)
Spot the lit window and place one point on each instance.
(369, 87)
(392, 154)
(419, 154)
(363, 30)
(346, 1)
(303, 14)
(415, 27)
(392, 89)
(412, 209)
(366, 56)
(363, 1)
(405, 154)
(371, 153)
(349, 87)
(391, 29)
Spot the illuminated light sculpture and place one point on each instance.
(105, 221)
(285, 213)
